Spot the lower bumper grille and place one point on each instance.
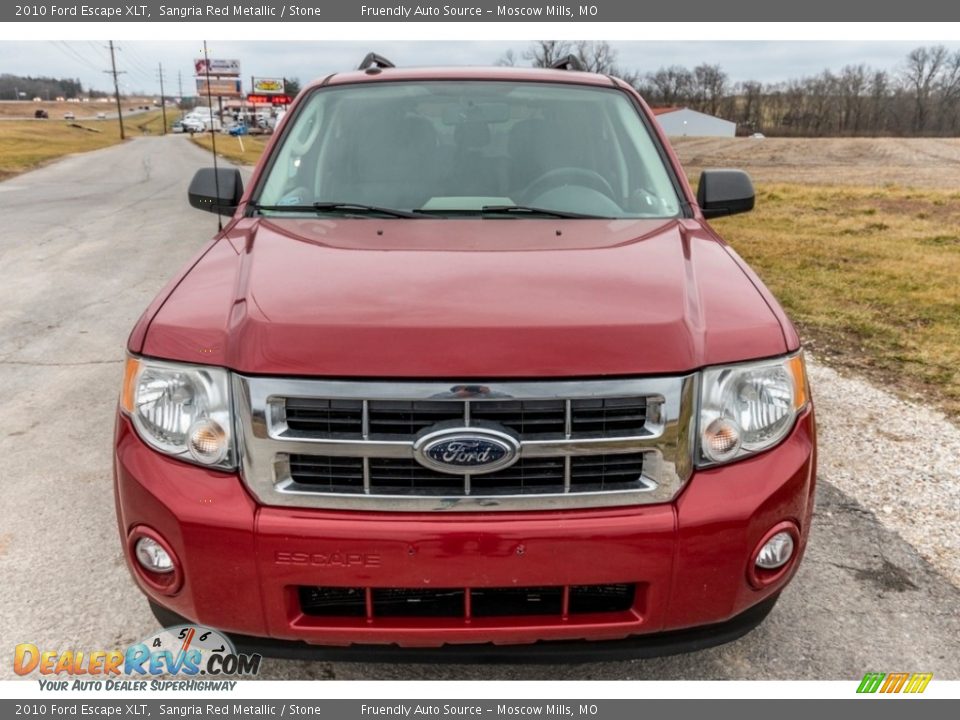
(559, 601)
(402, 476)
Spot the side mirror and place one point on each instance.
(216, 191)
(724, 192)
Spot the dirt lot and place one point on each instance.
(904, 162)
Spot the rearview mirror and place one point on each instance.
(724, 192)
(216, 191)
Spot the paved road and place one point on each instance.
(88, 241)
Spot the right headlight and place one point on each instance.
(749, 407)
(181, 410)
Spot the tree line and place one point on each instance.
(920, 98)
(17, 87)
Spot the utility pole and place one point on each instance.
(116, 87)
(163, 99)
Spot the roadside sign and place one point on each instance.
(267, 86)
(219, 86)
(268, 99)
(216, 66)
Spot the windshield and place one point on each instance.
(448, 149)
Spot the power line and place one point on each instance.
(135, 61)
(137, 69)
(73, 55)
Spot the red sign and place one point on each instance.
(268, 99)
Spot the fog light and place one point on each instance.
(721, 440)
(207, 442)
(152, 556)
(776, 552)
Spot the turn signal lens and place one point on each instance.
(128, 391)
(208, 442)
(721, 440)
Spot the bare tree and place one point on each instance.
(923, 67)
(852, 85)
(545, 53)
(709, 85)
(508, 59)
(671, 85)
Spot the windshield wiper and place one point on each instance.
(530, 211)
(352, 208)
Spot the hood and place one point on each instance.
(473, 298)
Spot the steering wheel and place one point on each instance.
(561, 176)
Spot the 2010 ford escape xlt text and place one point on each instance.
(466, 374)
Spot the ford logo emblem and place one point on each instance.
(462, 451)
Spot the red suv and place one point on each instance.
(466, 374)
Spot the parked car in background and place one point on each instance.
(177, 127)
(41, 114)
(69, 116)
(101, 116)
(193, 125)
(239, 129)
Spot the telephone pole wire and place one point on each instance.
(163, 98)
(116, 88)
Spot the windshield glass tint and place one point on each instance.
(451, 148)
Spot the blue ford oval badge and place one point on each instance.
(467, 450)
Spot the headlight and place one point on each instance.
(181, 410)
(750, 407)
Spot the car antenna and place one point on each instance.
(570, 62)
(213, 137)
(372, 60)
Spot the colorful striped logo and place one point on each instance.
(894, 682)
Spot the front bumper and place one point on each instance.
(241, 563)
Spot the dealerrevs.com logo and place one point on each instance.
(202, 659)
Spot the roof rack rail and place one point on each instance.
(570, 62)
(374, 60)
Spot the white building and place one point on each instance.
(680, 121)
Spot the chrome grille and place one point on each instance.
(350, 445)
(329, 418)
(403, 476)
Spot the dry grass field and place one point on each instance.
(860, 241)
(26, 144)
(245, 150)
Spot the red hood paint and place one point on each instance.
(475, 298)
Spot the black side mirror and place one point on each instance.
(724, 192)
(216, 191)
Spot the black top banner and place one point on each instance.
(480, 11)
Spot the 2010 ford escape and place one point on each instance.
(466, 370)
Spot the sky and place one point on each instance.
(742, 60)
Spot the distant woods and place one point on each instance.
(921, 97)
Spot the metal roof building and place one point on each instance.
(680, 121)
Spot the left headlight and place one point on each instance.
(749, 407)
(181, 410)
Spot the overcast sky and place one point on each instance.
(764, 61)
